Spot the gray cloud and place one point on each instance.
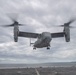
(38, 16)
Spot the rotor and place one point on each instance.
(67, 24)
(14, 22)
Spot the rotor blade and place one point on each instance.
(69, 26)
(11, 25)
(68, 23)
(13, 16)
(72, 26)
(21, 24)
(7, 25)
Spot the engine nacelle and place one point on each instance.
(16, 32)
(67, 33)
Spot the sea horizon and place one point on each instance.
(33, 65)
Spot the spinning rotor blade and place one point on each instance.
(15, 22)
(7, 25)
(69, 26)
(65, 24)
(13, 16)
(68, 23)
(21, 24)
(11, 25)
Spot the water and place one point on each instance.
(67, 64)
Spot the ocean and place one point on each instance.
(59, 64)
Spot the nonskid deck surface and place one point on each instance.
(40, 71)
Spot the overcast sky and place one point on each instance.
(38, 16)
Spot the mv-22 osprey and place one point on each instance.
(43, 39)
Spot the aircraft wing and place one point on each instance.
(56, 35)
(29, 35)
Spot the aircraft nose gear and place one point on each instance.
(34, 48)
(48, 47)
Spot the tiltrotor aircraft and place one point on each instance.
(43, 39)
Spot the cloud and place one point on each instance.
(38, 16)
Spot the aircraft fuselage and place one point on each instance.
(43, 40)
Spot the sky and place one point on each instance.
(38, 16)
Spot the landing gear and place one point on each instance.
(34, 48)
(48, 47)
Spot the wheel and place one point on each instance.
(48, 47)
(34, 48)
